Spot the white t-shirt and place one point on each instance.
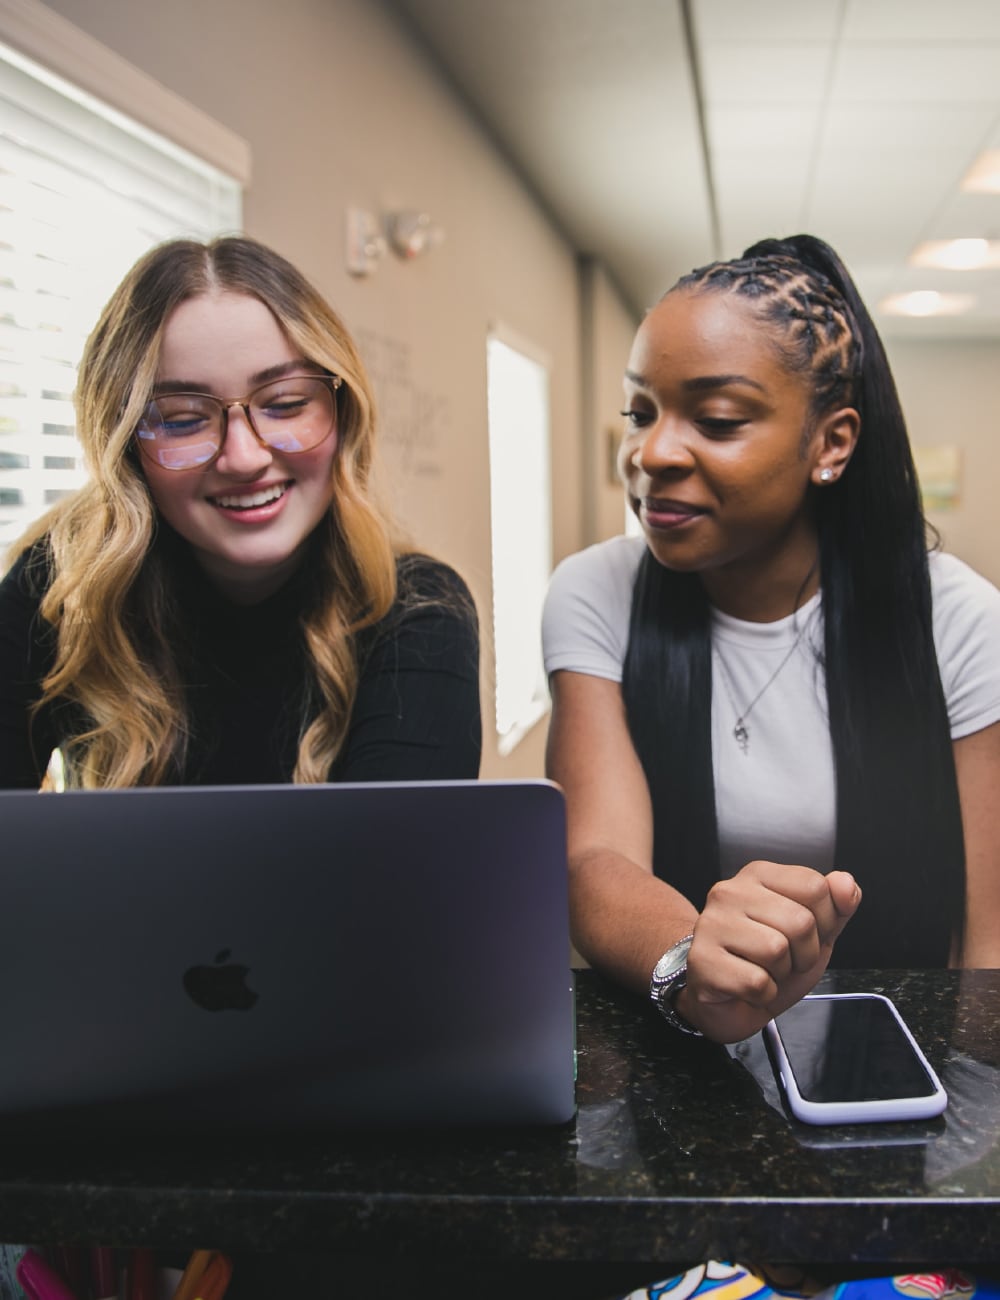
(776, 800)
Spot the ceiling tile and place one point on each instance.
(757, 20)
(874, 128)
(954, 72)
(747, 72)
(921, 20)
(762, 127)
(962, 215)
(885, 187)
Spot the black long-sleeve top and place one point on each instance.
(416, 715)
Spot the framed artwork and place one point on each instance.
(613, 440)
(939, 470)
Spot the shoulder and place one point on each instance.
(963, 601)
(586, 618)
(432, 618)
(31, 574)
(27, 641)
(421, 578)
(955, 584)
(610, 565)
(430, 592)
(966, 613)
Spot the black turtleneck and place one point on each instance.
(416, 714)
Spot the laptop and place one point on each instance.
(286, 956)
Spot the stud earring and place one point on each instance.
(826, 475)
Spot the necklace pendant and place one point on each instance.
(742, 735)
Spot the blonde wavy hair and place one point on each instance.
(108, 580)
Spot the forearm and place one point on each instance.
(977, 767)
(745, 965)
(981, 947)
(623, 918)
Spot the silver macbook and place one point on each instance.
(286, 956)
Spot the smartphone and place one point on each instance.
(848, 1058)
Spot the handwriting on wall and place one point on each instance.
(414, 422)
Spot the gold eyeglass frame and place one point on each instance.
(225, 405)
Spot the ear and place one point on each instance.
(833, 443)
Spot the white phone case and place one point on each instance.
(857, 1111)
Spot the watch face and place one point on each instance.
(673, 960)
(669, 977)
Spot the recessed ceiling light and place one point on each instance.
(957, 254)
(927, 302)
(983, 177)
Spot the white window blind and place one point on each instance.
(84, 191)
(521, 513)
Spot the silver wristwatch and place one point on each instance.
(669, 977)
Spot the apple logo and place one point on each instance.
(221, 987)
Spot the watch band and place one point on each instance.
(668, 978)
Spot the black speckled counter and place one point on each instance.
(680, 1151)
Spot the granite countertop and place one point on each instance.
(681, 1150)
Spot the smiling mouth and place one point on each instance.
(250, 500)
(666, 512)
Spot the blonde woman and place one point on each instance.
(223, 602)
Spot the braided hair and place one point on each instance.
(899, 825)
(814, 329)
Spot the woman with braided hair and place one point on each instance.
(776, 715)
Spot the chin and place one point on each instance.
(669, 558)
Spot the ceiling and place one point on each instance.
(662, 133)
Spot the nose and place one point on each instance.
(243, 454)
(661, 448)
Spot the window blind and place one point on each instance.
(84, 191)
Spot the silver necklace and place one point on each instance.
(741, 732)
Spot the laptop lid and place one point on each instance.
(286, 956)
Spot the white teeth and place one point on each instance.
(254, 499)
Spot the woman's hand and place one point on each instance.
(762, 941)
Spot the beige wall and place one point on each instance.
(340, 109)
(951, 394)
(608, 327)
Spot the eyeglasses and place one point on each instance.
(188, 430)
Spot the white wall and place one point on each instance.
(951, 394)
(340, 108)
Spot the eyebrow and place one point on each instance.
(703, 383)
(255, 380)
